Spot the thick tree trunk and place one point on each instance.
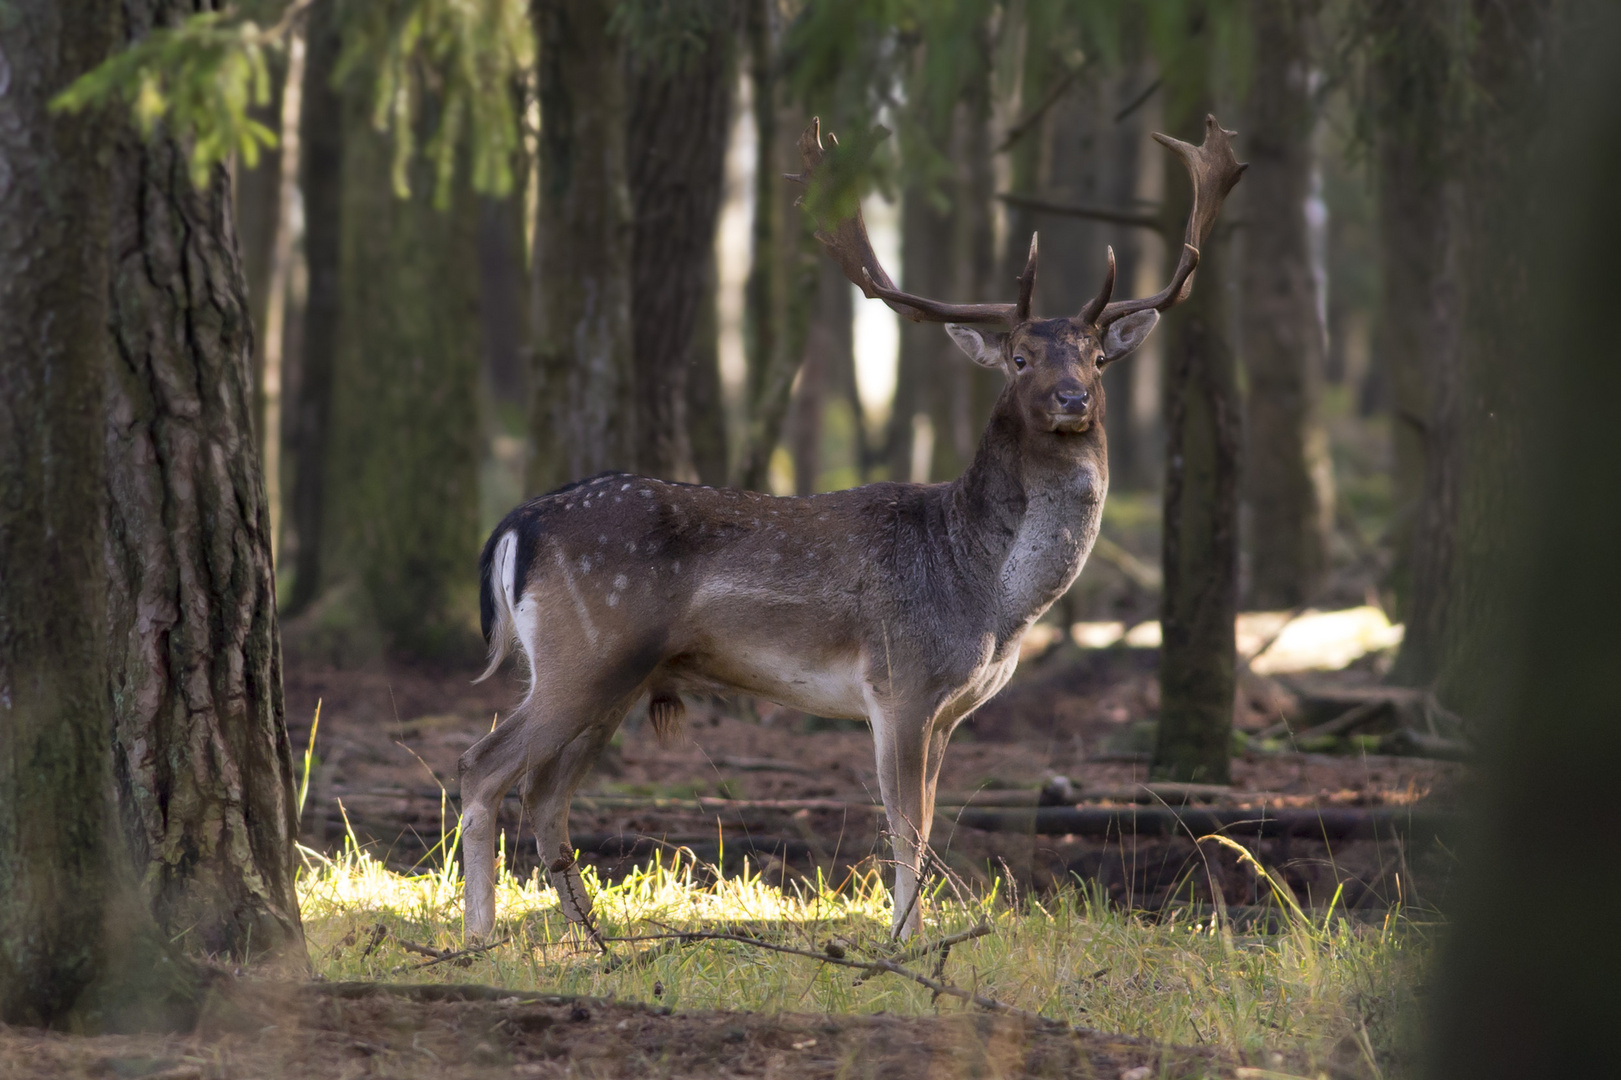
(201, 757)
(1420, 328)
(321, 179)
(402, 498)
(1200, 546)
(1288, 482)
(583, 417)
(54, 715)
(503, 285)
(926, 352)
(676, 151)
(826, 376)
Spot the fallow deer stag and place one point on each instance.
(900, 604)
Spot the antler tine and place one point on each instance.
(1094, 307)
(1213, 170)
(1027, 283)
(847, 242)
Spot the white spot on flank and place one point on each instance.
(613, 599)
(620, 581)
(625, 488)
(580, 610)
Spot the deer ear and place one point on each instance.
(1125, 334)
(984, 347)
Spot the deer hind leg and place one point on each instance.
(488, 771)
(547, 793)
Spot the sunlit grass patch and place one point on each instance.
(1324, 984)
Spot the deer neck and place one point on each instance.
(1027, 510)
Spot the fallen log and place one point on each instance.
(1328, 823)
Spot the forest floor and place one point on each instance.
(390, 737)
(1117, 936)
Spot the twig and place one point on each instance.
(943, 947)
(876, 967)
(441, 956)
(1033, 117)
(1091, 213)
(1139, 101)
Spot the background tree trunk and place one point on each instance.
(676, 151)
(201, 757)
(1419, 328)
(1288, 479)
(583, 417)
(402, 483)
(257, 198)
(1202, 422)
(54, 717)
(706, 407)
(321, 180)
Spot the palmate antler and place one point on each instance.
(1214, 170)
(846, 240)
(1211, 166)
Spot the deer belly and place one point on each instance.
(827, 686)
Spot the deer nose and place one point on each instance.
(1072, 399)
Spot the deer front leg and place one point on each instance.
(902, 749)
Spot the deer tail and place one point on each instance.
(497, 597)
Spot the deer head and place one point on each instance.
(1054, 366)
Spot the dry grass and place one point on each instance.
(1323, 989)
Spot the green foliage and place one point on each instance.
(198, 78)
(445, 68)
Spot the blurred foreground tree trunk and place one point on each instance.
(583, 411)
(1202, 424)
(1287, 477)
(201, 757)
(320, 127)
(679, 97)
(402, 477)
(1534, 635)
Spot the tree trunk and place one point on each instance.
(825, 377)
(257, 198)
(583, 417)
(780, 292)
(201, 757)
(706, 407)
(1200, 546)
(1419, 332)
(54, 716)
(1288, 478)
(321, 174)
(676, 151)
(503, 284)
(402, 498)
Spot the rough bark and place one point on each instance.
(402, 483)
(676, 150)
(201, 757)
(321, 175)
(1419, 343)
(825, 375)
(582, 419)
(1200, 545)
(54, 717)
(1287, 476)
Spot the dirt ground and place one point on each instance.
(390, 737)
(281, 1032)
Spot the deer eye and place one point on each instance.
(1019, 362)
